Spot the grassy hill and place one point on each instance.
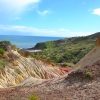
(67, 51)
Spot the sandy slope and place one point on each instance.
(26, 70)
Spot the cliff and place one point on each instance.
(19, 68)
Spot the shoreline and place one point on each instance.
(34, 50)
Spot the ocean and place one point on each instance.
(27, 41)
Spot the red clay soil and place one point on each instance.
(77, 86)
(66, 69)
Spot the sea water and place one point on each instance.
(27, 41)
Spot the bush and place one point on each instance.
(6, 45)
(78, 69)
(2, 51)
(1, 68)
(17, 71)
(89, 74)
(33, 97)
(2, 64)
(67, 64)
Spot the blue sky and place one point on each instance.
(61, 18)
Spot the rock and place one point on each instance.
(29, 67)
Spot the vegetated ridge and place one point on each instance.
(66, 52)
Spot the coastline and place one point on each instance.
(34, 50)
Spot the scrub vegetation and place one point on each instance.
(66, 51)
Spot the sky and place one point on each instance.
(57, 18)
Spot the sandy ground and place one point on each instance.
(34, 50)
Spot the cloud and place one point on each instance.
(14, 7)
(31, 31)
(43, 13)
(96, 11)
(63, 30)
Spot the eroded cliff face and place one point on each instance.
(28, 69)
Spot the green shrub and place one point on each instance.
(17, 71)
(5, 45)
(2, 51)
(2, 63)
(1, 68)
(89, 74)
(67, 64)
(5, 41)
(33, 97)
(78, 69)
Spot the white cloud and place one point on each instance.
(80, 33)
(43, 13)
(63, 30)
(96, 11)
(23, 30)
(14, 7)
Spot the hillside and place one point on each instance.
(18, 68)
(81, 83)
(67, 51)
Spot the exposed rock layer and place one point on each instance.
(21, 68)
